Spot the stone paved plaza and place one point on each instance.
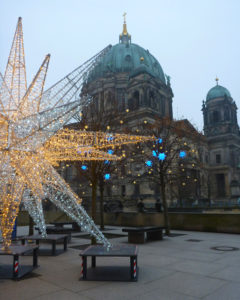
(181, 267)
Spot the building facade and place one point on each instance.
(222, 134)
(129, 86)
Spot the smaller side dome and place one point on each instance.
(218, 91)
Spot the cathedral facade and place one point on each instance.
(129, 85)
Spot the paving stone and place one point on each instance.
(229, 273)
(189, 284)
(61, 295)
(197, 267)
(169, 269)
(229, 291)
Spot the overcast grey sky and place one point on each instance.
(193, 40)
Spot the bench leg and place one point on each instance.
(15, 266)
(35, 257)
(133, 268)
(84, 267)
(53, 247)
(136, 237)
(155, 235)
(93, 261)
(65, 243)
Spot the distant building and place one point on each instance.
(222, 134)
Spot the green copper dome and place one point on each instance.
(218, 91)
(130, 58)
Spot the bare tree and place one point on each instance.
(163, 157)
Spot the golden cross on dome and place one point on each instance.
(217, 79)
(124, 16)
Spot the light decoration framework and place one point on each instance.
(32, 140)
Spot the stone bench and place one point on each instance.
(139, 235)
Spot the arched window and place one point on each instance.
(152, 100)
(128, 58)
(226, 114)
(136, 99)
(216, 116)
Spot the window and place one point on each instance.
(123, 171)
(123, 190)
(136, 189)
(220, 178)
(218, 158)
(128, 58)
(215, 116)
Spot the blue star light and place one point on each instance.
(83, 167)
(182, 154)
(110, 138)
(107, 176)
(159, 140)
(149, 163)
(154, 153)
(110, 152)
(161, 156)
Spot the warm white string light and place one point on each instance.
(32, 140)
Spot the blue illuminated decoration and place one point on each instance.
(110, 152)
(182, 154)
(110, 138)
(154, 153)
(149, 163)
(83, 167)
(161, 156)
(106, 162)
(107, 176)
(159, 140)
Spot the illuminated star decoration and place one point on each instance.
(149, 163)
(182, 154)
(161, 156)
(28, 119)
(32, 141)
(107, 176)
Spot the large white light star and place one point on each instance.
(32, 140)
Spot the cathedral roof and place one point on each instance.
(217, 91)
(127, 57)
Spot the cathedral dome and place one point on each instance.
(217, 91)
(127, 57)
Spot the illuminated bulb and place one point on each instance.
(183, 183)
(145, 121)
(127, 110)
(121, 121)
(86, 126)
